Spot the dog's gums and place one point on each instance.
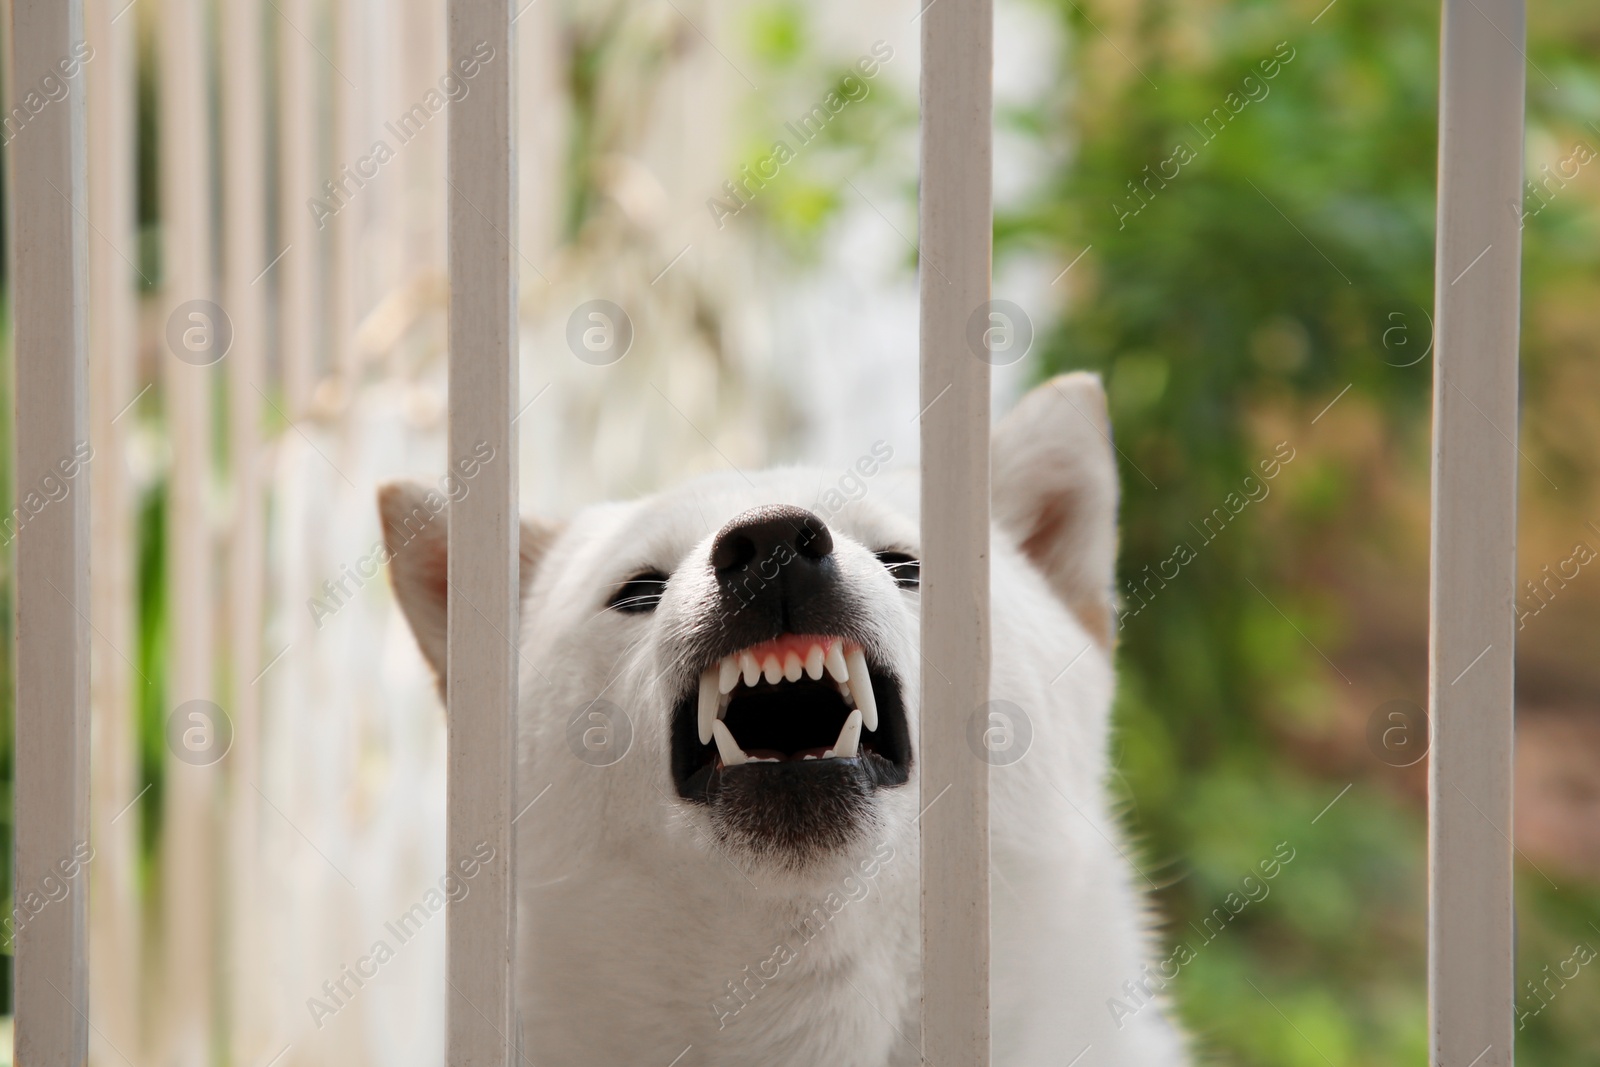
(787, 659)
(791, 705)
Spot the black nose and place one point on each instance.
(770, 536)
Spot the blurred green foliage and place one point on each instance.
(1225, 302)
(1252, 186)
(1258, 274)
(808, 194)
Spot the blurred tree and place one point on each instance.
(1254, 186)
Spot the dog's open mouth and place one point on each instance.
(796, 705)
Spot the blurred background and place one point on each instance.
(1225, 208)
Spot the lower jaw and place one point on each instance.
(869, 769)
(794, 814)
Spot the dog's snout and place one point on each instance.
(765, 532)
(777, 572)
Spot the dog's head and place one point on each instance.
(759, 632)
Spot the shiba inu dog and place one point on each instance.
(719, 694)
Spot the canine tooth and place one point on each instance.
(749, 667)
(814, 662)
(791, 667)
(772, 669)
(849, 738)
(728, 674)
(861, 687)
(710, 702)
(732, 754)
(834, 658)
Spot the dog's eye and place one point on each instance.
(906, 570)
(639, 594)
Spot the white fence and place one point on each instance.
(74, 235)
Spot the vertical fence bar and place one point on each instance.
(115, 943)
(956, 234)
(188, 328)
(1476, 278)
(298, 127)
(343, 290)
(52, 625)
(245, 297)
(421, 59)
(483, 555)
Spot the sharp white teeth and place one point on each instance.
(732, 754)
(861, 687)
(710, 700)
(849, 738)
(834, 659)
(814, 663)
(847, 670)
(728, 674)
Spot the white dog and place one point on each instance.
(719, 696)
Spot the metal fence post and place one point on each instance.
(956, 236)
(483, 568)
(51, 529)
(1476, 275)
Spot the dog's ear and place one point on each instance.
(416, 531)
(1054, 485)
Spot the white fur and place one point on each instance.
(632, 921)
